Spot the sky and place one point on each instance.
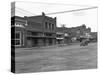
(69, 19)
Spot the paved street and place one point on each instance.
(72, 57)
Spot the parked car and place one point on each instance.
(84, 42)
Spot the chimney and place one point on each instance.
(43, 13)
(25, 17)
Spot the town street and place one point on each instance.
(71, 57)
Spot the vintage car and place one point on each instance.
(84, 42)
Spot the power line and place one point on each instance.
(19, 12)
(71, 10)
(54, 3)
(23, 10)
(61, 11)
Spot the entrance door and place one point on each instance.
(34, 42)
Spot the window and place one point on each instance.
(48, 34)
(17, 40)
(53, 27)
(49, 25)
(46, 25)
(17, 36)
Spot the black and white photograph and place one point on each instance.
(49, 37)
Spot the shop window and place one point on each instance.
(17, 40)
(17, 35)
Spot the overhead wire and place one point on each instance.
(55, 12)
(25, 11)
(31, 2)
(19, 12)
(71, 10)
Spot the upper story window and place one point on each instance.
(46, 25)
(48, 34)
(53, 27)
(50, 26)
(59, 36)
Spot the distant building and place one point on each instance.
(33, 31)
(59, 36)
(62, 36)
(74, 33)
(79, 31)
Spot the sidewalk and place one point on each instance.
(52, 46)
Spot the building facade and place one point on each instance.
(41, 30)
(62, 35)
(34, 31)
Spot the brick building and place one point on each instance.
(41, 30)
(33, 31)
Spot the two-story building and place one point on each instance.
(18, 31)
(33, 31)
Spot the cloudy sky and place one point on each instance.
(70, 19)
